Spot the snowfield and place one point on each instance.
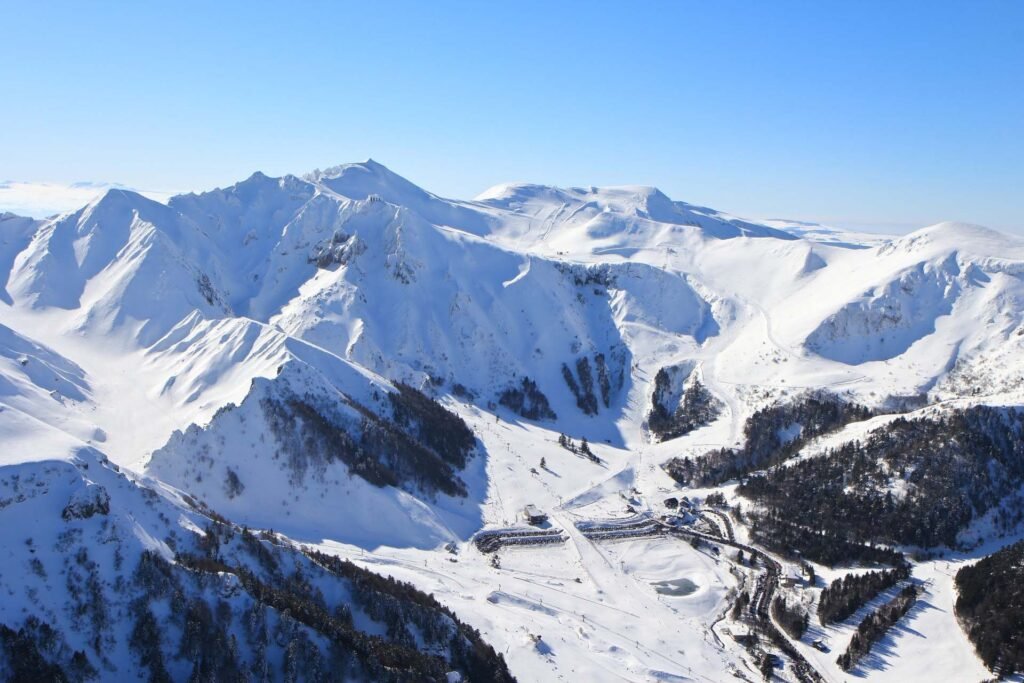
(147, 344)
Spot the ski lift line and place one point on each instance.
(619, 635)
(576, 597)
(607, 561)
(374, 560)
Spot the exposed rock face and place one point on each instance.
(86, 502)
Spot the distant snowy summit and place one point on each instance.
(366, 264)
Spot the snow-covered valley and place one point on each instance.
(385, 376)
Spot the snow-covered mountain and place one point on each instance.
(373, 369)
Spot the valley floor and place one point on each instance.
(591, 610)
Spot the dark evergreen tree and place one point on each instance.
(951, 469)
(697, 407)
(792, 618)
(527, 400)
(875, 625)
(845, 596)
(773, 435)
(990, 608)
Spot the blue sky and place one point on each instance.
(878, 114)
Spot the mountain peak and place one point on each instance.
(363, 179)
(957, 236)
(370, 167)
(113, 195)
(630, 202)
(120, 199)
(959, 229)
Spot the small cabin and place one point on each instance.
(672, 503)
(746, 638)
(533, 515)
(790, 577)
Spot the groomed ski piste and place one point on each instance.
(363, 279)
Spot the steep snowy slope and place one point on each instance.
(418, 303)
(30, 369)
(918, 306)
(15, 234)
(249, 222)
(124, 260)
(113, 577)
(376, 282)
(351, 459)
(890, 318)
(39, 393)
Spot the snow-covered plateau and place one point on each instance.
(225, 418)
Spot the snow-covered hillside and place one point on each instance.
(114, 576)
(300, 456)
(372, 369)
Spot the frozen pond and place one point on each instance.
(675, 587)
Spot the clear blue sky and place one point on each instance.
(891, 113)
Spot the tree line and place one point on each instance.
(527, 400)
(582, 449)
(697, 407)
(914, 482)
(421, 447)
(802, 539)
(990, 607)
(792, 618)
(875, 625)
(772, 435)
(841, 598)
